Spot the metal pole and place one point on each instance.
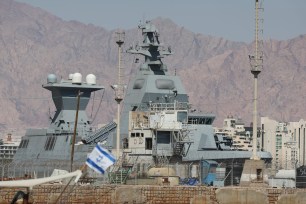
(118, 130)
(256, 66)
(255, 120)
(75, 129)
(200, 170)
(232, 175)
(3, 166)
(255, 86)
(119, 89)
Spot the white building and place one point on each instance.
(283, 141)
(8, 147)
(236, 130)
(297, 132)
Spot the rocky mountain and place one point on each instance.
(215, 71)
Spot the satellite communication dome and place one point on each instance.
(91, 79)
(70, 76)
(77, 78)
(51, 79)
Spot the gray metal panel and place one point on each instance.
(36, 132)
(202, 136)
(223, 155)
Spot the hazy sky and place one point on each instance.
(233, 20)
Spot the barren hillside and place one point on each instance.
(215, 71)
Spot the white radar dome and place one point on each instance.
(77, 78)
(51, 79)
(91, 79)
(70, 76)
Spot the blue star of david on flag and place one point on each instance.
(100, 159)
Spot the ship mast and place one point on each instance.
(119, 89)
(152, 50)
(256, 62)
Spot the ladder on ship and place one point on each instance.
(121, 170)
(183, 141)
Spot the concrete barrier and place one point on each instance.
(240, 195)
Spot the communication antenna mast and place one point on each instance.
(256, 62)
(119, 87)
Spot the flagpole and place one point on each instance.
(75, 129)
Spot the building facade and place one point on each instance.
(235, 129)
(285, 142)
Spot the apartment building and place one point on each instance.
(285, 141)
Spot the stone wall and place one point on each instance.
(127, 194)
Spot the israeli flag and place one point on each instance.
(100, 159)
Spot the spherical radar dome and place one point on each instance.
(91, 79)
(77, 78)
(51, 79)
(70, 76)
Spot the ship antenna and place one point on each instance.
(119, 88)
(75, 130)
(256, 62)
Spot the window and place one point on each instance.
(148, 144)
(166, 84)
(182, 117)
(163, 137)
(24, 144)
(50, 143)
(137, 134)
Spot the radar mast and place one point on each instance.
(256, 62)
(119, 88)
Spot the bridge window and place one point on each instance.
(163, 137)
(166, 84)
(137, 134)
(200, 120)
(182, 117)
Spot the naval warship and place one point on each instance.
(158, 127)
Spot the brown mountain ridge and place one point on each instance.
(215, 71)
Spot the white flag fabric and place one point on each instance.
(100, 159)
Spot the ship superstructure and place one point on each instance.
(158, 126)
(43, 150)
(155, 105)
